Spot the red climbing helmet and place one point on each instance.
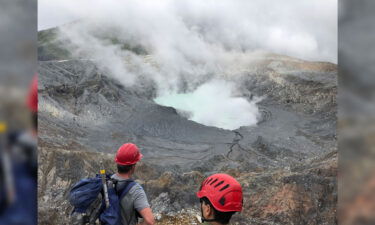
(32, 98)
(128, 154)
(223, 191)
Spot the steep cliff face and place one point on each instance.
(286, 163)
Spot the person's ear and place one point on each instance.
(206, 209)
(210, 213)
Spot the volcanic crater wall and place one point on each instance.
(287, 163)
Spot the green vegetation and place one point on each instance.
(50, 47)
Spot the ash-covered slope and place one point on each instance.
(98, 114)
(85, 116)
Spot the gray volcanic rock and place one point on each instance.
(97, 113)
(85, 116)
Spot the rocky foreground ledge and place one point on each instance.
(299, 195)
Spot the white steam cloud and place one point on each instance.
(300, 28)
(213, 104)
(190, 42)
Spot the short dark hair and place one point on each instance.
(124, 168)
(221, 217)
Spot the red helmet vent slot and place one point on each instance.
(222, 201)
(225, 187)
(220, 183)
(213, 181)
(208, 181)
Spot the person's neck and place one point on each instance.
(124, 175)
(214, 223)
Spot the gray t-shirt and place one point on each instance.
(135, 199)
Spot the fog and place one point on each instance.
(213, 104)
(300, 28)
(188, 43)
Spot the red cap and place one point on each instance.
(223, 191)
(32, 99)
(128, 154)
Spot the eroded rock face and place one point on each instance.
(287, 163)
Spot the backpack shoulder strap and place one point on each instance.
(125, 188)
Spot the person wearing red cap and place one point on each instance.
(220, 196)
(134, 204)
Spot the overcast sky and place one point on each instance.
(304, 29)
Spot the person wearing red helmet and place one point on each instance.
(220, 196)
(18, 168)
(135, 203)
(32, 102)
